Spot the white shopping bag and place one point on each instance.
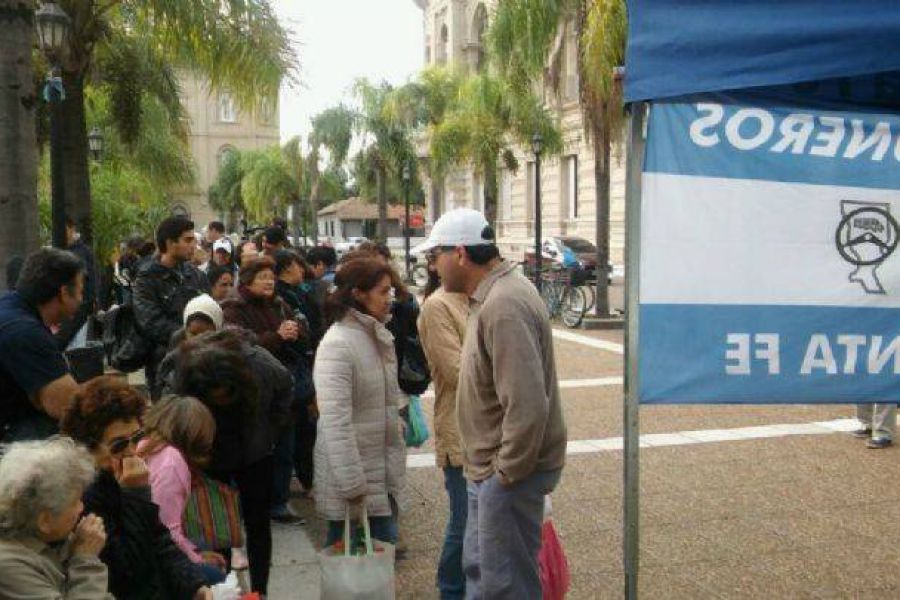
(369, 576)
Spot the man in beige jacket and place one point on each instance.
(442, 326)
(508, 408)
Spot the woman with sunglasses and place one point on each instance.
(143, 561)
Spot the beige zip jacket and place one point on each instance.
(442, 326)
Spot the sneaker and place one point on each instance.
(878, 443)
(863, 433)
(286, 515)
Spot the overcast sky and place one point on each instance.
(340, 41)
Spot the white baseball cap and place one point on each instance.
(459, 227)
(223, 244)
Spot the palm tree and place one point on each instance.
(525, 38)
(386, 145)
(237, 44)
(482, 125)
(19, 233)
(332, 130)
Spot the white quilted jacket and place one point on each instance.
(359, 448)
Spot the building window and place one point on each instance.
(506, 183)
(443, 45)
(222, 156)
(479, 28)
(180, 210)
(227, 108)
(569, 185)
(266, 111)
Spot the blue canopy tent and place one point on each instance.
(828, 54)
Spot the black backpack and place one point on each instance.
(413, 373)
(127, 348)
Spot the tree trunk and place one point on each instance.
(381, 231)
(601, 142)
(314, 208)
(19, 226)
(491, 191)
(75, 155)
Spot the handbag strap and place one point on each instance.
(370, 549)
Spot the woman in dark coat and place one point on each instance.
(259, 310)
(248, 392)
(296, 286)
(143, 561)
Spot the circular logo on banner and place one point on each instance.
(867, 236)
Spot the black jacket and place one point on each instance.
(160, 295)
(302, 300)
(143, 561)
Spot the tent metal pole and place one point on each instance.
(631, 416)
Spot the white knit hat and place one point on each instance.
(206, 306)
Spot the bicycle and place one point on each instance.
(563, 299)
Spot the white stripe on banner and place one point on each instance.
(710, 240)
(685, 438)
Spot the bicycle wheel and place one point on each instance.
(550, 297)
(590, 293)
(573, 306)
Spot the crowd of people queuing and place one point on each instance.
(265, 362)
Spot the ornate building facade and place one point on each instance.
(454, 35)
(217, 127)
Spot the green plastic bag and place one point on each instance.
(417, 429)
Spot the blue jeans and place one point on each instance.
(503, 537)
(450, 578)
(283, 469)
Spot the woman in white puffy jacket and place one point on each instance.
(360, 453)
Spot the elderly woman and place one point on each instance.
(144, 563)
(359, 454)
(47, 550)
(260, 310)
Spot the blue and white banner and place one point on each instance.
(769, 265)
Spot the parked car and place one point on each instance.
(351, 244)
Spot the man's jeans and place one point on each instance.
(450, 578)
(503, 537)
(283, 456)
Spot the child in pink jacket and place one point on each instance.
(180, 432)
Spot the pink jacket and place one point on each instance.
(170, 488)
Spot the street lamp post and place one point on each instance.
(52, 25)
(537, 145)
(407, 176)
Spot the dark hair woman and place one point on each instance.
(359, 454)
(143, 560)
(258, 309)
(221, 282)
(180, 432)
(248, 392)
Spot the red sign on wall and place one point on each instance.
(416, 221)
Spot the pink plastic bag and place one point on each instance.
(553, 564)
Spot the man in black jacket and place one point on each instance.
(163, 288)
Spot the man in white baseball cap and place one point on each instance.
(508, 407)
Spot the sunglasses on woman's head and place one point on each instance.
(120, 444)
